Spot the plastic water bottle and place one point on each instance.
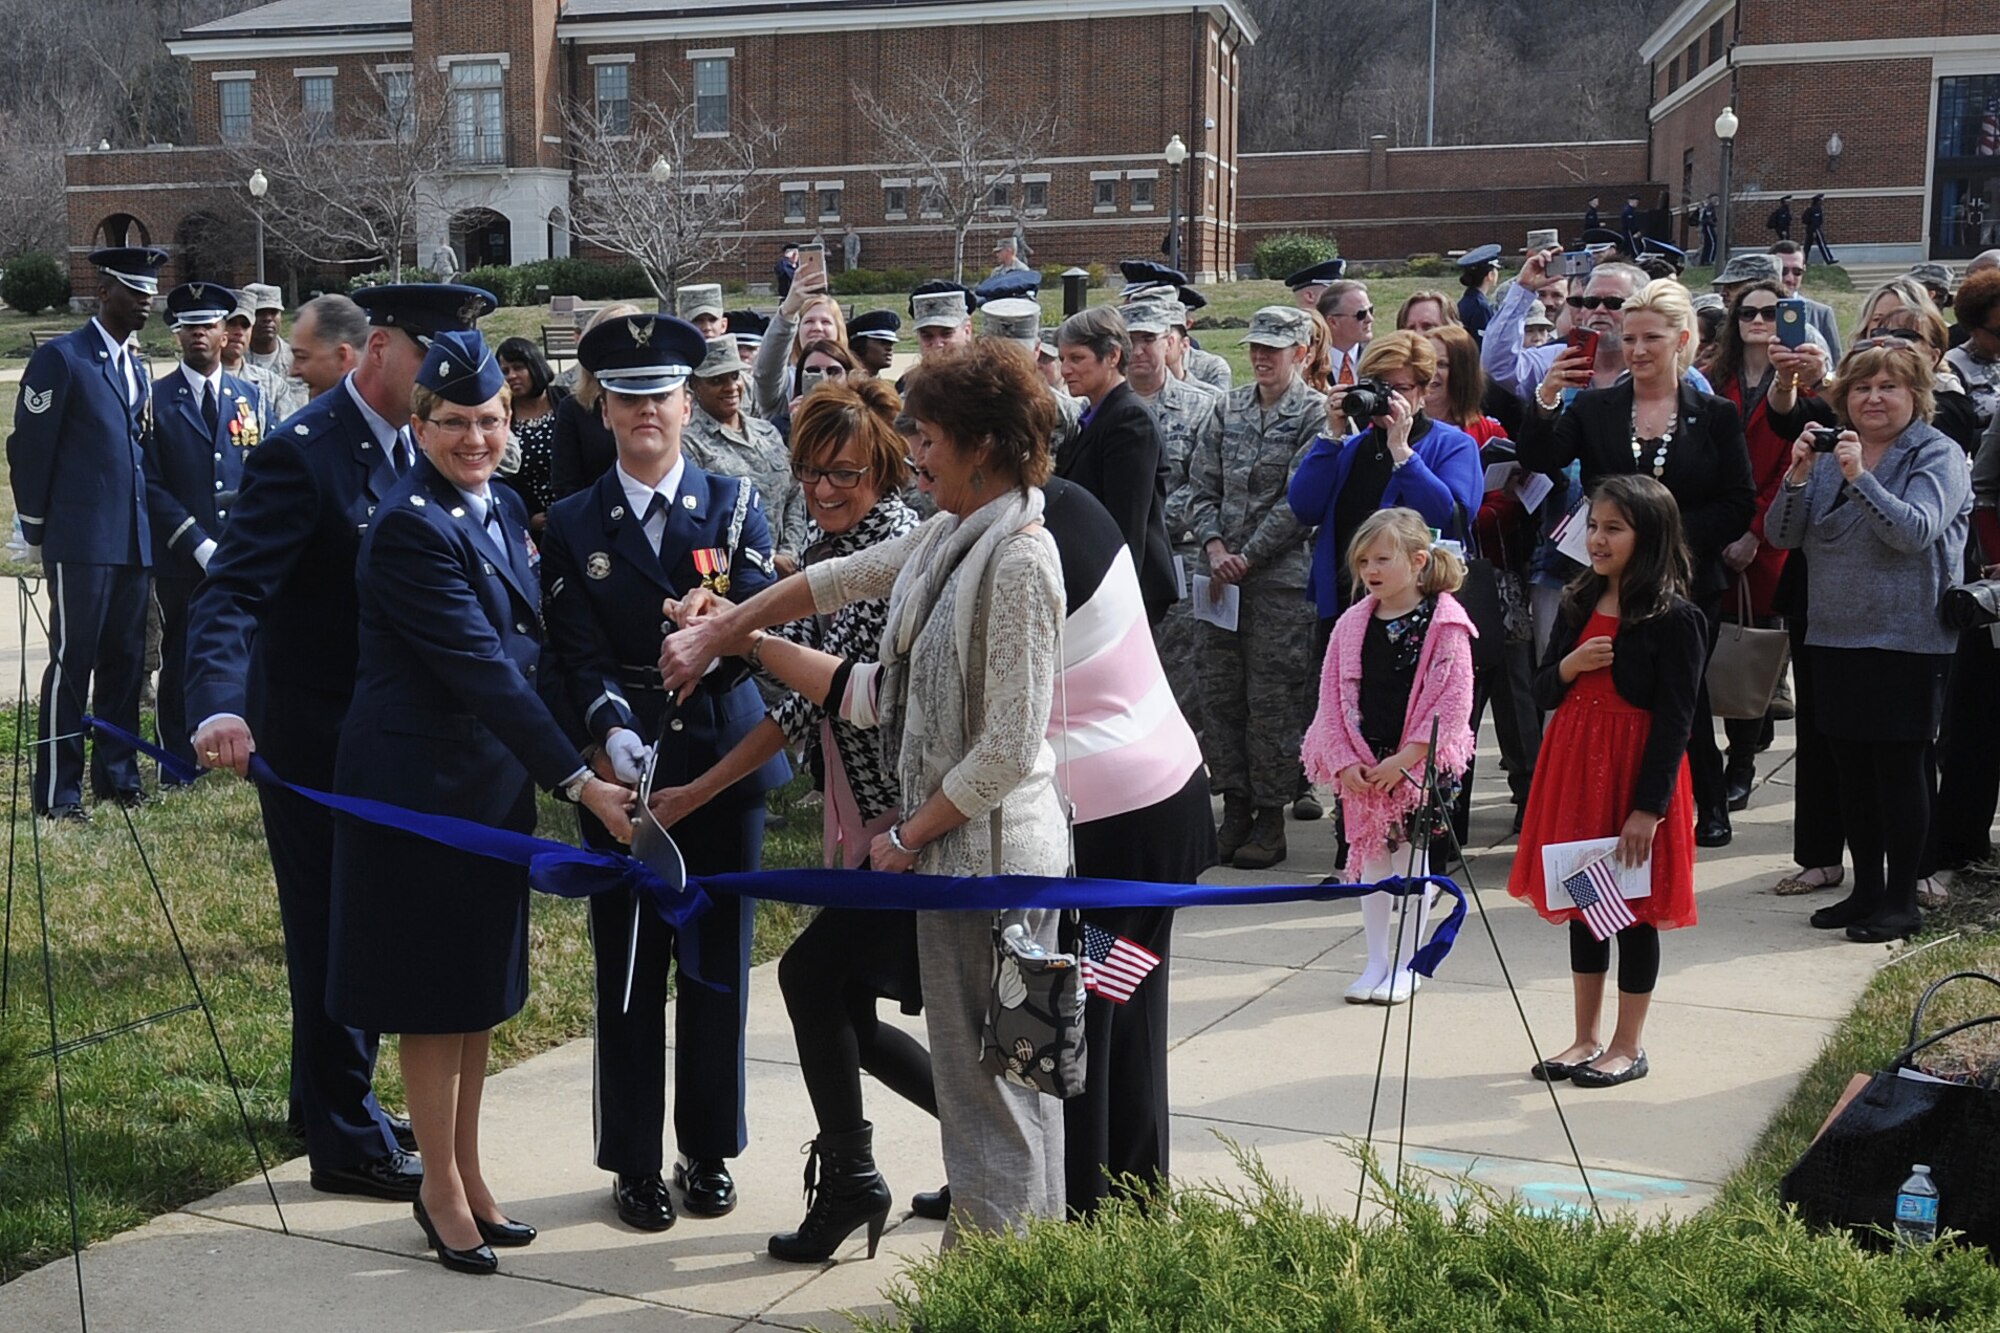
(1917, 1208)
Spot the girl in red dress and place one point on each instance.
(1621, 674)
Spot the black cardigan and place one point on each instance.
(1707, 469)
(1117, 458)
(1657, 666)
(584, 448)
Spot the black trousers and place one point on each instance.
(631, 1054)
(97, 660)
(1886, 808)
(1968, 758)
(174, 726)
(832, 977)
(1818, 837)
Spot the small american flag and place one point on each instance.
(1113, 966)
(1594, 890)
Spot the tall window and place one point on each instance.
(896, 200)
(235, 110)
(1715, 42)
(398, 114)
(794, 201)
(711, 96)
(829, 203)
(614, 98)
(478, 126)
(316, 101)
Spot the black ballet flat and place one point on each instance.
(508, 1234)
(1555, 1071)
(1589, 1076)
(478, 1261)
(1885, 929)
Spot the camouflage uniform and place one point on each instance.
(1252, 700)
(759, 453)
(1184, 409)
(1207, 368)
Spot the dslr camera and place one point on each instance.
(1824, 438)
(1365, 400)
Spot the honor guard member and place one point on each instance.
(271, 668)
(1257, 682)
(747, 328)
(658, 526)
(1590, 216)
(1478, 270)
(1184, 410)
(1707, 218)
(1780, 221)
(871, 339)
(1019, 320)
(700, 304)
(205, 422)
(78, 461)
(1628, 223)
(1309, 282)
(723, 438)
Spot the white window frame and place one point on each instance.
(482, 111)
(901, 183)
(245, 80)
(318, 78)
(926, 187)
(1097, 182)
(1031, 178)
(1152, 179)
(624, 70)
(786, 189)
(712, 58)
(818, 200)
(398, 114)
(1006, 208)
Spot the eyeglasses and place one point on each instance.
(460, 425)
(822, 372)
(843, 478)
(1361, 316)
(1882, 337)
(1758, 314)
(1596, 302)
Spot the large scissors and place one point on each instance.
(655, 848)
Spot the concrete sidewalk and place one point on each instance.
(1265, 1054)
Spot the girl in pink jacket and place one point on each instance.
(1399, 658)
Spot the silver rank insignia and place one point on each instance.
(598, 566)
(417, 500)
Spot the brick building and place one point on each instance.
(508, 67)
(1892, 111)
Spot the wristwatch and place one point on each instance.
(754, 655)
(896, 840)
(572, 791)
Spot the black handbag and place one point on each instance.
(1480, 596)
(1972, 605)
(1849, 1177)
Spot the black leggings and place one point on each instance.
(1885, 806)
(1638, 956)
(832, 976)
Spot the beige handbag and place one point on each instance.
(1748, 664)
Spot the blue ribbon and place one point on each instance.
(578, 872)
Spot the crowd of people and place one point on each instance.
(1032, 607)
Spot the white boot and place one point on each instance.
(1416, 920)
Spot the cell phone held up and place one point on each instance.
(1585, 341)
(1792, 322)
(812, 267)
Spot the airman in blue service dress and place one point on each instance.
(272, 643)
(205, 422)
(78, 462)
(610, 554)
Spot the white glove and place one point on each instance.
(628, 755)
(203, 552)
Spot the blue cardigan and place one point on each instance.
(1443, 472)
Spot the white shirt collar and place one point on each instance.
(385, 433)
(117, 348)
(477, 504)
(197, 381)
(640, 496)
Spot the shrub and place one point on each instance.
(1430, 266)
(1211, 1259)
(1282, 255)
(34, 282)
(868, 281)
(504, 281)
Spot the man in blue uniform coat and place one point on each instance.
(656, 526)
(271, 662)
(78, 461)
(205, 421)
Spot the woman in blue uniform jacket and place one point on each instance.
(430, 942)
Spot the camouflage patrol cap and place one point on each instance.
(700, 298)
(1011, 317)
(1280, 326)
(939, 309)
(1155, 316)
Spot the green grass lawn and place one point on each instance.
(151, 1119)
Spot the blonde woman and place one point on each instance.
(584, 449)
(805, 318)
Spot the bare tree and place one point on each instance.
(960, 141)
(32, 144)
(354, 193)
(650, 188)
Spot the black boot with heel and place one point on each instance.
(843, 1191)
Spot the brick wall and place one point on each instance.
(1392, 203)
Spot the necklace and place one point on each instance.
(1659, 444)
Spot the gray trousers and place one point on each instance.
(1003, 1144)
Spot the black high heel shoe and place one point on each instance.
(844, 1192)
(507, 1234)
(478, 1261)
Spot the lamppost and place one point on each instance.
(1726, 126)
(1176, 153)
(260, 185)
(661, 172)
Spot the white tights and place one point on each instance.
(1378, 912)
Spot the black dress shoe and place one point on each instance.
(67, 814)
(1883, 928)
(1849, 911)
(399, 1125)
(643, 1202)
(1738, 782)
(1589, 1076)
(478, 1261)
(934, 1205)
(1555, 1071)
(396, 1177)
(1712, 829)
(508, 1235)
(705, 1185)
(129, 800)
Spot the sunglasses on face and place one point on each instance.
(1885, 337)
(1758, 314)
(1596, 302)
(822, 372)
(1362, 315)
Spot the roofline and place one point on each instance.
(677, 19)
(1676, 23)
(274, 43)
